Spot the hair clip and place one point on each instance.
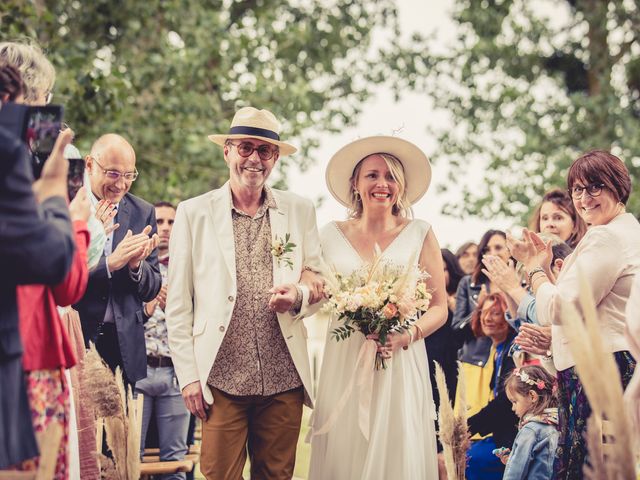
(524, 376)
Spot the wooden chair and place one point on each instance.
(147, 469)
(151, 464)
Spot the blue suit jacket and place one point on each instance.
(127, 295)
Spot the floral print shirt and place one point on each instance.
(155, 329)
(253, 358)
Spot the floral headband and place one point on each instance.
(524, 376)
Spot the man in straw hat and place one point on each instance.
(233, 310)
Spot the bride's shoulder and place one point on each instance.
(329, 229)
(419, 229)
(420, 224)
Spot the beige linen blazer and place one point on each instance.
(202, 280)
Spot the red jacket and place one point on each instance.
(45, 340)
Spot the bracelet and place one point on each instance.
(406, 347)
(419, 332)
(307, 267)
(533, 272)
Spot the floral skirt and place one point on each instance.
(573, 411)
(49, 401)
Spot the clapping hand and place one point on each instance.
(132, 250)
(502, 274)
(151, 243)
(534, 339)
(162, 297)
(531, 251)
(106, 212)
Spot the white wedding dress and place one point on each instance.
(402, 441)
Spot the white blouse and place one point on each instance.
(609, 257)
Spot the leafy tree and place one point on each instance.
(165, 73)
(528, 86)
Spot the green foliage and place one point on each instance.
(528, 86)
(343, 332)
(165, 73)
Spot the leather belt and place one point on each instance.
(156, 362)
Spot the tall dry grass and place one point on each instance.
(453, 431)
(113, 402)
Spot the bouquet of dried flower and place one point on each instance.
(380, 297)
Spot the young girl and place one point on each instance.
(531, 390)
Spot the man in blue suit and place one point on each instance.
(127, 274)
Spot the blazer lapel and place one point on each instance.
(220, 207)
(122, 217)
(279, 219)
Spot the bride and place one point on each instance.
(378, 179)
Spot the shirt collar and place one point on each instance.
(268, 201)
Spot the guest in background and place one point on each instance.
(127, 274)
(467, 256)
(33, 249)
(47, 349)
(441, 344)
(162, 397)
(495, 421)
(531, 390)
(608, 257)
(472, 290)
(556, 215)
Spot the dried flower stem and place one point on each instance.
(453, 431)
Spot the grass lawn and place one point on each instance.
(303, 452)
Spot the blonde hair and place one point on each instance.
(38, 74)
(402, 206)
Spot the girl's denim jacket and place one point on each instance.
(534, 448)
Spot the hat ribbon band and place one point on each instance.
(257, 132)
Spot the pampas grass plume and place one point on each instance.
(453, 431)
(97, 380)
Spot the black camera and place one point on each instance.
(38, 127)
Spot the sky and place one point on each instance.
(382, 115)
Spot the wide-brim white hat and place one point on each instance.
(249, 122)
(417, 170)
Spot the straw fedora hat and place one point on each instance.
(249, 122)
(417, 170)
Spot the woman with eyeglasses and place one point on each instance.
(608, 257)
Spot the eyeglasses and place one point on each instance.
(245, 149)
(593, 190)
(115, 174)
